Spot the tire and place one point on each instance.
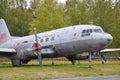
(16, 63)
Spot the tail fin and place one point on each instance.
(4, 33)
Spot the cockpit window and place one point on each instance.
(84, 31)
(97, 30)
(87, 32)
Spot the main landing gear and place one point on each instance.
(18, 62)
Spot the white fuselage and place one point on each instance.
(63, 42)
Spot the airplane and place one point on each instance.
(64, 42)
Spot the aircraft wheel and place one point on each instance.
(73, 62)
(25, 61)
(16, 63)
(103, 62)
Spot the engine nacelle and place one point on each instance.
(82, 56)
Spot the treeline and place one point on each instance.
(48, 15)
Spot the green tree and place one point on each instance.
(48, 15)
(17, 16)
(78, 12)
(106, 14)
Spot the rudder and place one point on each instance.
(4, 33)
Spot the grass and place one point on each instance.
(62, 69)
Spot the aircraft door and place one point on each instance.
(53, 39)
(58, 42)
(75, 36)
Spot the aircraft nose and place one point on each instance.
(103, 39)
(109, 37)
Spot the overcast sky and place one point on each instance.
(59, 1)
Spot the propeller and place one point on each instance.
(38, 48)
(90, 60)
(104, 59)
(102, 56)
(94, 55)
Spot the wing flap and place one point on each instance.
(7, 52)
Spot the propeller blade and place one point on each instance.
(103, 57)
(36, 38)
(94, 55)
(90, 57)
(40, 58)
(90, 60)
(38, 52)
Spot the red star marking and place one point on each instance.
(3, 35)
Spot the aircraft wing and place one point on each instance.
(7, 51)
(43, 50)
(110, 50)
(47, 51)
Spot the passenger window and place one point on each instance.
(83, 31)
(75, 34)
(47, 39)
(52, 38)
(90, 30)
(41, 40)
